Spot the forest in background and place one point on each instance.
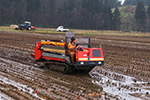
(83, 14)
(77, 14)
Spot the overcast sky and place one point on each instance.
(122, 1)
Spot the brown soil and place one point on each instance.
(127, 55)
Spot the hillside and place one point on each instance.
(127, 17)
(127, 13)
(135, 2)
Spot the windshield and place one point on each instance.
(85, 42)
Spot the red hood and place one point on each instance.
(34, 27)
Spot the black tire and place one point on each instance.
(21, 28)
(29, 28)
(16, 28)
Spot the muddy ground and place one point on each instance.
(125, 75)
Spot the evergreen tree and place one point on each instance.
(86, 14)
(107, 17)
(148, 16)
(140, 16)
(148, 12)
(116, 19)
(114, 3)
(94, 6)
(71, 4)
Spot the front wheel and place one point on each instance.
(29, 28)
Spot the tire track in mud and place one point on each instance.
(138, 72)
(119, 86)
(16, 73)
(4, 96)
(37, 81)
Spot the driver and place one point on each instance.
(71, 48)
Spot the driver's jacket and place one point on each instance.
(71, 47)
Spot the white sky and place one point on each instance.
(122, 1)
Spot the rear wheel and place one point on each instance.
(21, 28)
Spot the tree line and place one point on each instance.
(82, 14)
(79, 14)
(142, 17)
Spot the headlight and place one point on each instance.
(82, 63)
(99, 62)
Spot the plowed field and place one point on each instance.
(125, 75)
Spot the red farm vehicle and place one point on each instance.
(54, 54)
